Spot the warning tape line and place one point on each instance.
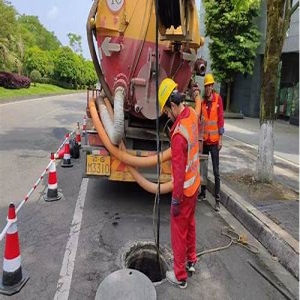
(5, 229)
(34, 186)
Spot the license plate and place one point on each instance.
(97, 165)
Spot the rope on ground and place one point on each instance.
(234, 239)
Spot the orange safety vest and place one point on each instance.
(210, 124)
(188, 128)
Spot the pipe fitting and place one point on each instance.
(200, 66)
(114, 127)
(121, 81)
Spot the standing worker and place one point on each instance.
(186, 180)
(212, 121)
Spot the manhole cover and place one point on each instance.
(126, 284)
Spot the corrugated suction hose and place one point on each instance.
(130, 160)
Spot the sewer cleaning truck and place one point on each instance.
(134, 45)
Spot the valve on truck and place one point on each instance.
(200, 67)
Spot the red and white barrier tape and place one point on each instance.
(2, 234)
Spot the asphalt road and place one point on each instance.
(30, 130)
(69, 246)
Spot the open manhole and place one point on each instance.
(142, 256)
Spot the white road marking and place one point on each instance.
(66, 272)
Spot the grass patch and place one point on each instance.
(39, 89)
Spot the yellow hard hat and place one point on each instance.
(208, 79)
(165, 90)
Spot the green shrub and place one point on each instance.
(35, 76)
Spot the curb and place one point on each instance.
(37, 96)
(276, 240)
(231, 115)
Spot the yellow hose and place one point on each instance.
(141, 180)
(130, 160)
(148, 185)
(198, 101)
(123, 156)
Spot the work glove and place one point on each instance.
(220, 143)
(196, 90)
(175, 207)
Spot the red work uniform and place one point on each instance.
(186, 182)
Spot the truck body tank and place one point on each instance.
(134, 46)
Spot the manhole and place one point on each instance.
(142, 256)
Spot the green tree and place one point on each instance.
(75, 42)
(91, 77)
(19, 33)
(80, 71)
(279, 14)
(10, 41)
(65, 66)
(51, 58)
(278, 19)
(36, 59)
(43, 38)
(235, 39)
(27, 46)
(7, 19)
(86, 72)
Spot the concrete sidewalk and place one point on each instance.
(273, 222)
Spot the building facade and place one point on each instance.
(245, 95)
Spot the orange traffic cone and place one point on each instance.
(60, 154)
(52, 192)
(13, 278)
(78, 135)
(66, 162)
(84, 126)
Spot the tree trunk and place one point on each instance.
(228, 96)
(274, 42)
(264, 166)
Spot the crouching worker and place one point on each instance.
(186, 180)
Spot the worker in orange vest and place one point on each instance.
(212, 121)
(186, 180)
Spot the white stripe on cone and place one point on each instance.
(52, 168)
(13, 227)
(52, 171)
(67, 156)
(11, 265)
(52, 186)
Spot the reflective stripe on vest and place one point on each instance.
(188, 128)
(210, 123)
